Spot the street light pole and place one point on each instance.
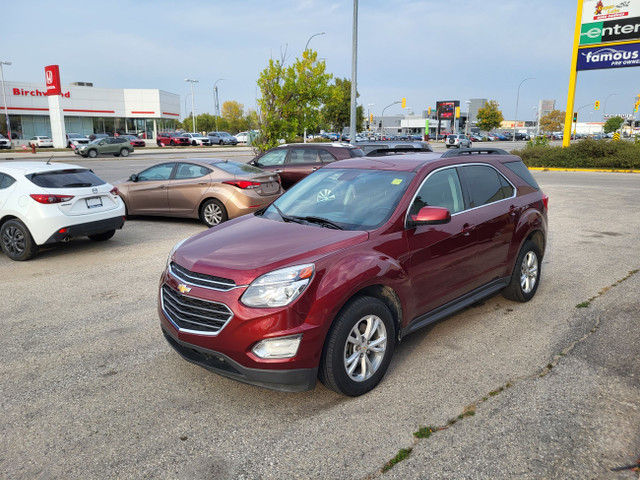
(604, 110)
(314, 35)
(185, 104)
(216, 100)
(382, 120)
(466, 125)
(304, 119)
(4, 99)
(193, 110)
(515, 122)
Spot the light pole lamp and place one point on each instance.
(216, 100)
(515, 121)
(193, 110)
(4, 99)
(382, 120)
(314, 35)
(466, 125)
(604, 110)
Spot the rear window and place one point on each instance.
(520, 169)
(76, 177)
(235, 168)
(356, 152)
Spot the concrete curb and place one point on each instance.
(554, 169)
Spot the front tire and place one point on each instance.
(92, 153)
(17, 242)
(101, 237)
(213, 213)
(358, 348)
(526, 274)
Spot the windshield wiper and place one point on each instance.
(286, 217)
(321, 221)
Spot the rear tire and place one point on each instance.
(92, 153)
(101, 237)
(17, 242)
(213, 213)
(172, 143)
(124, 152)
(526, 274)
(358, 348)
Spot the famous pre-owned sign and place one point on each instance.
(609, 57)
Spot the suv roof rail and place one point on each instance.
(474, 151)
(382, 152)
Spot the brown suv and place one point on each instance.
(295, 161)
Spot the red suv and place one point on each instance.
(295, 161)
(326, 280)
(171, 138)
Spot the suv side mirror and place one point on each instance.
(430, 216)
(133, 177)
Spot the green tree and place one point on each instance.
(552, 121)
(336, 113)
(233, 113)
(290, 99)
(490, 116)
(613, 124)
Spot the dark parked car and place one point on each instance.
(326, 280)
(134, 140)
(295, 161)
(93, 136)
(172, 139)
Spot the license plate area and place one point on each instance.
(93, 202)
(269, 187)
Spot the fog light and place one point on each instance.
(281, 347)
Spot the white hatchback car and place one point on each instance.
(44, 204)
(197, 139)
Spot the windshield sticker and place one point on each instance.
(396, 181)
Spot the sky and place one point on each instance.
(425, 51)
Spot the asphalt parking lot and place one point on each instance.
(90, 389)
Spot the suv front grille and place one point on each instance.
(200, 279)
(192, 314)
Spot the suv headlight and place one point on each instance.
(173, 250)
(278, 288)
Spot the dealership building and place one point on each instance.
(87, 109)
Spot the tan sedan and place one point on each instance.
(211, 189)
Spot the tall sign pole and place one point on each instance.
(573, 79)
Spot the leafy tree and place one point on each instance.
(613, 124)
(489, 117)
(553, 121)
(233, 114)
(290, 98)
(336, 113)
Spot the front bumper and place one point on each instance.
(294, 380)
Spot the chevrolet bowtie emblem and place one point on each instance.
(183, 288)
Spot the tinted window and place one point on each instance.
(66, 178)
(188, 170)
(157, 172)
(485, 185)
(6, 181)
(236, 168)
(356, 152)
(276, 157)
(303, 155)
(326, 156)
(520, 169)
(440, 189)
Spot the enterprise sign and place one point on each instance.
(609, 57)
(607, 32)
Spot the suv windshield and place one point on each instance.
(76, 177)
(347, 198)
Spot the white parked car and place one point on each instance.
(4, 142)
(197, 139)
(44, 204)
(41, 141)
(241, 137)
(76, 140)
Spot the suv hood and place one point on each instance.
(249, 246)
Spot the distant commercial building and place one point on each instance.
(88, 109)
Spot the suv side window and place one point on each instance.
(275, 157)
(440, 189)
(486, 185)
(303, 155)
(326, 156)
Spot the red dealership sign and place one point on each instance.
(52, 77)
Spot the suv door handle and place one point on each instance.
(278, 171)
(467, 228)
